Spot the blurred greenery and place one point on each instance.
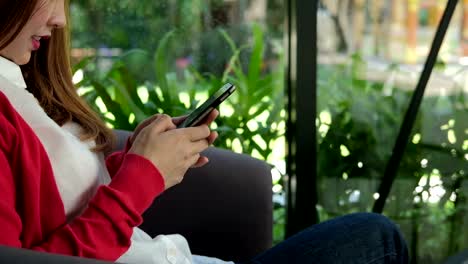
(358, 124)
(175, 53)
(129, 97)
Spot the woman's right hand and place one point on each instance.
(172, 151)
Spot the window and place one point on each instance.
(371, 54)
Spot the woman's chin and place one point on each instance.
(19, 60)
(23, 59)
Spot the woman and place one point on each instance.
(59, 195)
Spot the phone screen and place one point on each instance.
(203, 110)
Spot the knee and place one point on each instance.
(376, 222)
(383, 228)
(376, 219)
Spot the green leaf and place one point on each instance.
(256, 58)
(161, 67)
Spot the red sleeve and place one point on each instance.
(104, 229)
(10, 221)
(114, 160)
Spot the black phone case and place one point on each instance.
(214, 101)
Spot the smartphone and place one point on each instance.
(203, 110)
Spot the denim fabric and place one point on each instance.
(357, 238)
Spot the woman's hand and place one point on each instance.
(207, 121)
(177, 120)
(172, 151)
(203, 160)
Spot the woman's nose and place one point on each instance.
(58, 18)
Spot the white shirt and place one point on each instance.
(78, 172)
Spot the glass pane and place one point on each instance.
(137, 58)
(371, 54)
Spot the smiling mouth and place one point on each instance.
(36, 41)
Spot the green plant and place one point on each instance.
(250, 119)
(359, 121)
(139, 84)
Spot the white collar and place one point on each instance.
(12, 72)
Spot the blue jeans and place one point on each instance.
(356, 238)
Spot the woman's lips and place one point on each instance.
(36, 43)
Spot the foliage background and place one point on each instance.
(144, 57)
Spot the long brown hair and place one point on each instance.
(48, 74)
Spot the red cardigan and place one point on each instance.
(31, 211)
